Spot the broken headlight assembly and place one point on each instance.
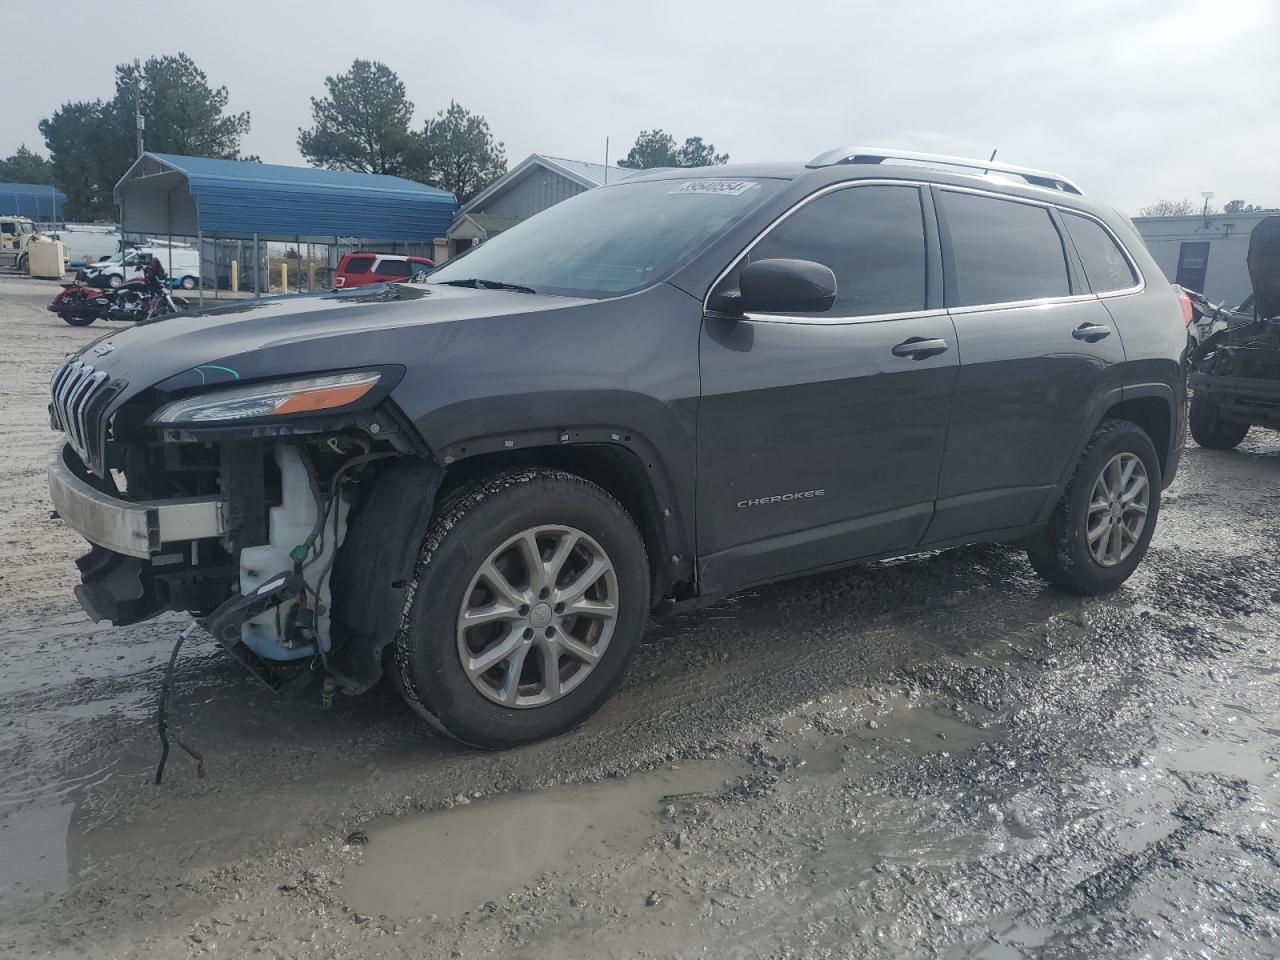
(271, 399)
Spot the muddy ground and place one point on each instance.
(936, 757)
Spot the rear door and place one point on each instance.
(389, 269)
(820, 436)
(1037, 352)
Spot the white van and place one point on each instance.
(182, 264)
(88, 243)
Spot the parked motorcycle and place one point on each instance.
(80, 304)
(139, 304)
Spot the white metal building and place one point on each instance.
(1203, 253)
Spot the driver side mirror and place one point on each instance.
(779, 286)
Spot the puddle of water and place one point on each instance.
(33, 862)
(448, 862)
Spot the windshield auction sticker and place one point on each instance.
(724, 188)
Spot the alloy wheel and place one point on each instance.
(538, 616)
(1117, 509)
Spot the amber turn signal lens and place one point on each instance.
(323, 399)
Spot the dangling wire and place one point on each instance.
(162, 712)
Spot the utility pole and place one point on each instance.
(606, 161)
(139, 119)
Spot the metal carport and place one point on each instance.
(36, 201)
(168, 195)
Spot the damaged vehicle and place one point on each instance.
(1235, 375)
(655, 393)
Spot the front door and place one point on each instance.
(820, 436)
(1037, 351)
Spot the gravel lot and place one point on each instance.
(935, 757)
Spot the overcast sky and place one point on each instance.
(1135, 99)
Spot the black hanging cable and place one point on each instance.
(162, 713)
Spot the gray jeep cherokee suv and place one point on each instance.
(656, 392)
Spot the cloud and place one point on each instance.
(1135, 99)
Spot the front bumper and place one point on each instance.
(133, 528)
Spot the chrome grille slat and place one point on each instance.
(76, 402)
(74, 387)
(64, 396)
(73, 395)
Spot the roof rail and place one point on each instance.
(1039, 178)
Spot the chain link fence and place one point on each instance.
(236, 268)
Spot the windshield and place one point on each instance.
(610, 240)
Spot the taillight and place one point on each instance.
(1188, 311)
(341, 282)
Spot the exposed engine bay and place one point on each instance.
(248, 529)
(1237, 366)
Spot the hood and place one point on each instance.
(1263, 261)
(251, 339)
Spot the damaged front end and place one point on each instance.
(254, 507)
(1237, 367)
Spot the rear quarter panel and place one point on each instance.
(1153, 328)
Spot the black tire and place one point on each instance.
(78, 320)
(1061, 554)
(188, 283)
(22, 263)
(114, 281)
(469, 526)
(1210, 430)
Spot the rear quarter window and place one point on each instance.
(1003, 251)
(358, 265)
(1105, 265)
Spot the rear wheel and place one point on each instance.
(114, 281)
(1100, 529)
(78, 320)
(1209, 429)
(529, 599)
(188, 283)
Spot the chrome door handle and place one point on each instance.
(918, 348)
(1091, 332)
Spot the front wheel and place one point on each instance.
(114, 281)
(1100, 529)
(1209, 430)
(22, 263)
(188, 283)
(529, 599)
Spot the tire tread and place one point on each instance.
(454, 508)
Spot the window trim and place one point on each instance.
(949, 258)
(1137, 287)
(1060, 209)
(933, 247)
(930, 242)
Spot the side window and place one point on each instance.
(1003, 251)
(1105, 265)
(358, 265)
(872, 238)
(9, 228)
(393, 268)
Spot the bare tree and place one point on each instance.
(1175, 208)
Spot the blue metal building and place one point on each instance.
(165, 194)
(36, 201)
